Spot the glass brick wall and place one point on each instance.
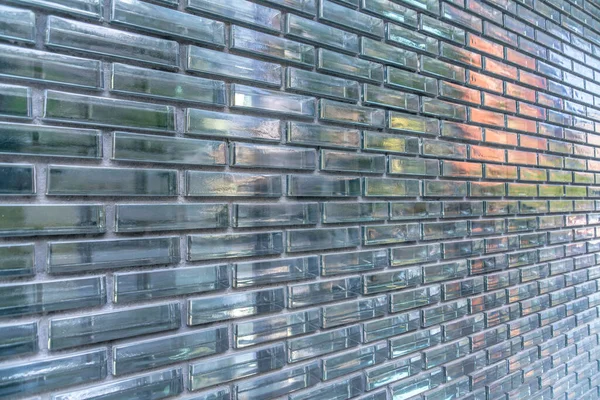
(300, 199)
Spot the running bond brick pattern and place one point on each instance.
(300, 199)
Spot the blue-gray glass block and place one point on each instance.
(275, 327)
(335, 212)
(31, 220)
(352, 387)
(53, 373)
(240, 11)
(17, 180)
(41, 297)
(92, 39)
(17, 340)
(15, 101)
(167, 217)
(219, 308)
(139, 286)
(250, 274)
(17, 24)
(211, 62)
(332, 160)
(347, 66)
(154, 386)
(167, 22)
(95, 328)
(386, 234)
(71, 257)
(133, 357)
(208, 247)
(391, 326)
(212, 372)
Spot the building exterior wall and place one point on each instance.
(299, 199)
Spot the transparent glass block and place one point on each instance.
(275, 327)
(53, 373)
(96, 328)
(249, 98)
(33, 298)
(264, 45)
(308, 82)
(334, 212)
(323, 343)
(381, 142)
(306, 30)
(17, 24)
(133, 357)
(137, 286)
(321, 239)
(282, 270)
(29, 64)
(386, 187)
(70, 257)
(15, 101)
(167, 22)
(354, 360)
(348, 66)
(89, 110)
(39, 219)
(325, 136)
(413, 166)
(413, 124)
(352, 386)
(74, 35)
(391, 11)
(228, 65)
(278, 384)
(247, 155)
(154, 385)
(413, 298)
(322, 186)
(382, 97)
(228, 368)
(17, 261)
(346, 263)
(353, 311)
(404, 80)
(17, 340)
(341, 161)
(391, 326)
(387, 234)
(240, 11)
(306, 294)
(411, 39)
(407, 255)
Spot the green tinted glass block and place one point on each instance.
(350, 19)
(411, 38)
(322, 186)
(334, 212)
(413, 124)
(165, 85)
(348, 66)
(332, 160)
(83, 181)
(17, 180)
(49, 141)
(160, 149)
(15, 101)
(308, 82)
(251, 215)
(260, 156)
(87, 38)
(31, 220)
(17, 261)
(375, 141)
(270, 101)
(382, 97)
(89, 110)
(167, 22)
(40, 66)
(306, 30)
(333, 111)
(386, 187)
(325, 136)
(17, 24)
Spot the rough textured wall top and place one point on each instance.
(225, 199)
